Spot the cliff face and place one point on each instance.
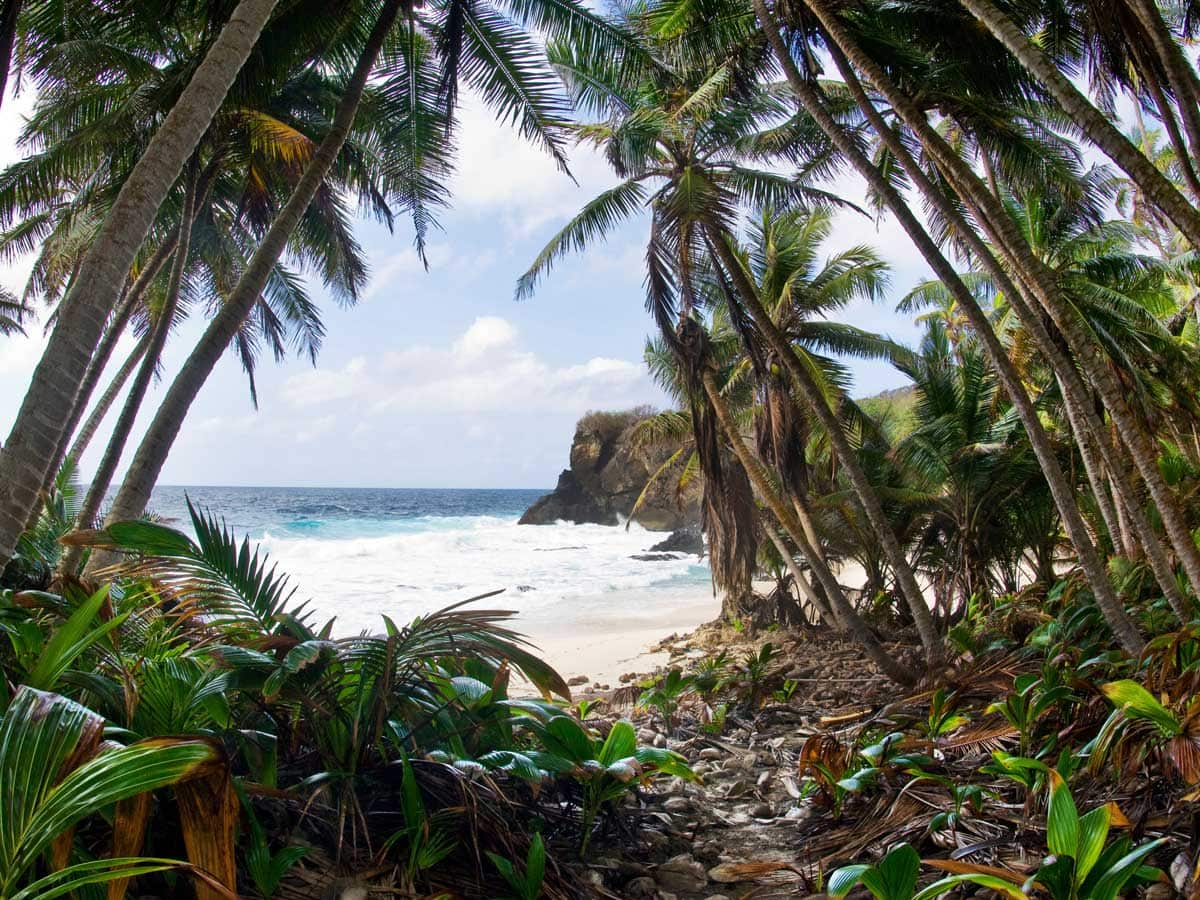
(606, 476)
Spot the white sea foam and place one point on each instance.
(559, 577)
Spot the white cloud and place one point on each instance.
(402, 272)
(498, 170)
(485, 370)
(316, 387)
(486, 333)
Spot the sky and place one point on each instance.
(441, 378)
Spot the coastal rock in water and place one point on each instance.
(688, 539)
(608, 473)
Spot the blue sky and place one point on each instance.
(441, 379)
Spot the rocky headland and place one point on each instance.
(609, 468)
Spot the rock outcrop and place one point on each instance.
(607, 474)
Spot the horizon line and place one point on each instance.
(346, 487)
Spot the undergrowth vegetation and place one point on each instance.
(189, 716)
(1040, 763)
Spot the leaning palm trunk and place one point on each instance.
(152, 453)
(8, 37)
(1181, 77)
(845, 612)
(100, 359)
(1098, 128)
(1094, 472)
(1183, 155)
(807, 591)
(1041, 283)
(37, 431)
(89, 428)
(102, 478)
(812, 397)
(1006, 371)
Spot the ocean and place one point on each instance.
(356, 553)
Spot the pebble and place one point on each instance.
(794, 812)
(577, 680)
(681, 873)
(639, 888)
(763, 779)
(660, 740)
(762, 811)
(711, 753)
(678, 805)
(701, 768)
(646, 736)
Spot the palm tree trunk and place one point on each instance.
(811, 394)
(802, 583)
(1006, 371)
(9, 13)
(143, 472)
(103, 476)
(1181, 77)
(1042, 283)
(1183, 156)
(84, 438)
(758, 477)
(46, 409)
(1094, 472)
(112, 334)
(1098, 128)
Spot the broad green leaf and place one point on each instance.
(620, 743)
(945, 885)
(471, 691)
(1139, 703)
(898, 871)
(1093, 832)
(1062, 819)
(1110, 883)
(98, 871)
(71, 640)
(666, 761)
(535, 865)
(569, 739)
(842, 881)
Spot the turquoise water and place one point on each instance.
(359, 552)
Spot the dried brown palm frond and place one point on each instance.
(886, 821)
(983, 737)
(988, 676)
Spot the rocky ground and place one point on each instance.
(742, 830)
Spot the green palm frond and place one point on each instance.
(594, 222)
(52, 776)
(506, 66)
(227, 583)
(13, 314)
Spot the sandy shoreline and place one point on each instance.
(604, 648)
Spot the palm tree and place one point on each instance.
(674, 132)
(953, 165)
(972, 464)
(1098, 128)
(37, 431)
(424, 59)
